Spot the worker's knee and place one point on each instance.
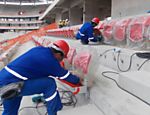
(50, 88)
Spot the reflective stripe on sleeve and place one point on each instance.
(81, 34)
(51, 97)
(52, 77)
(65, 76)
(91, 38)
(15, 73)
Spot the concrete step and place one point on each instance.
(89, 109)
(137, 83)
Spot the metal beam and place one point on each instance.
(49, 9)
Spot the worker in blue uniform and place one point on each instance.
(34, 69)
(86, 32)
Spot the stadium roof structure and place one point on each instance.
(26, 2)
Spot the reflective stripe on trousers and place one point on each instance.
(15, 73)
(47, 86)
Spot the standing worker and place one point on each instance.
(29, 74)
(86, 32)
(60, 24)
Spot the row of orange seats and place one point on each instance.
(67, 32)
(133, 28)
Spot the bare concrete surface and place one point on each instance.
(23, 48)
(89, 109)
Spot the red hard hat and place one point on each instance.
(63, 46)
(96, 20)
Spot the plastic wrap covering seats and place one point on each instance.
(40, 41)
(70, 34)
(46, 42)
(136, 32)
(35, 39)
(100, 26)
(59, 33)
(67, 32)
(48, 33)
(147, 32)
(81, 61)
(120, 29)
(108, 30)
(71, 54)
(51, 33)
(136, 29)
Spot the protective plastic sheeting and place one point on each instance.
(120, 29)
(147, 32)
(71, 54)
(82, 60)
(136, 32)
(108, 31)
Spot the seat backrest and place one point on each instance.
(81, 61)
(71, 54)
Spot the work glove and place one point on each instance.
(99, 38)
(38, 99)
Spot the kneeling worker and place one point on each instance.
(86, 32)
(29, 74)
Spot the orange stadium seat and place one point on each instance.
(147, 28)
(71, 54)
(136, 29)
(81, 61)
(120, 29)
(108, 29)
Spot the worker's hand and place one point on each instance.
(99, 38)
(96, 32)
(81, 81)
(80, 75)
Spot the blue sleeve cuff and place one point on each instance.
(94, 40)
(73, 79)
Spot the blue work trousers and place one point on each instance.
(47, 86)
